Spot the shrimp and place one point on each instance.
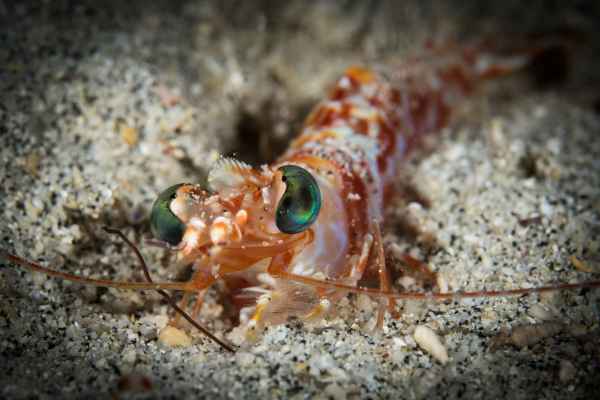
(293, 238)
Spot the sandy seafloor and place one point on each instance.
(102, 105)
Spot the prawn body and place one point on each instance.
(352, 143)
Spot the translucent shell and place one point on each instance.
(164, 224)
(300, 204)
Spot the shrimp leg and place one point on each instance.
(384, 279)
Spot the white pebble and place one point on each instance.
(546, 209)
(429, 341)
(567, 371)
(540, 312)
(442, 283)
(129, 356)
(174, 337)
(399, 342)
(336, 392)
(245, 359)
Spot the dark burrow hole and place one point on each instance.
(256, 143)
(257, 140)
(550, 68)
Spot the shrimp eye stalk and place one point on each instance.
(165, 225)
(301, 202)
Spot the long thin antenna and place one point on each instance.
(181, 286)
(435, 296)
(165, 295)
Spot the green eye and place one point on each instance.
(301, 202)
(165, 225)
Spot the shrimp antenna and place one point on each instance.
(377, 293)
(165, 295)
(35, 267)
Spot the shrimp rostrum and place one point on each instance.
(292, 238)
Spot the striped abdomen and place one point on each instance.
(367, 125)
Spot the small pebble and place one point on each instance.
(429, 341)
(245, 359)
(129, 356)
(174, 337)
(567, 371)
(336, 392)
(130, 135)
(540, 312)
